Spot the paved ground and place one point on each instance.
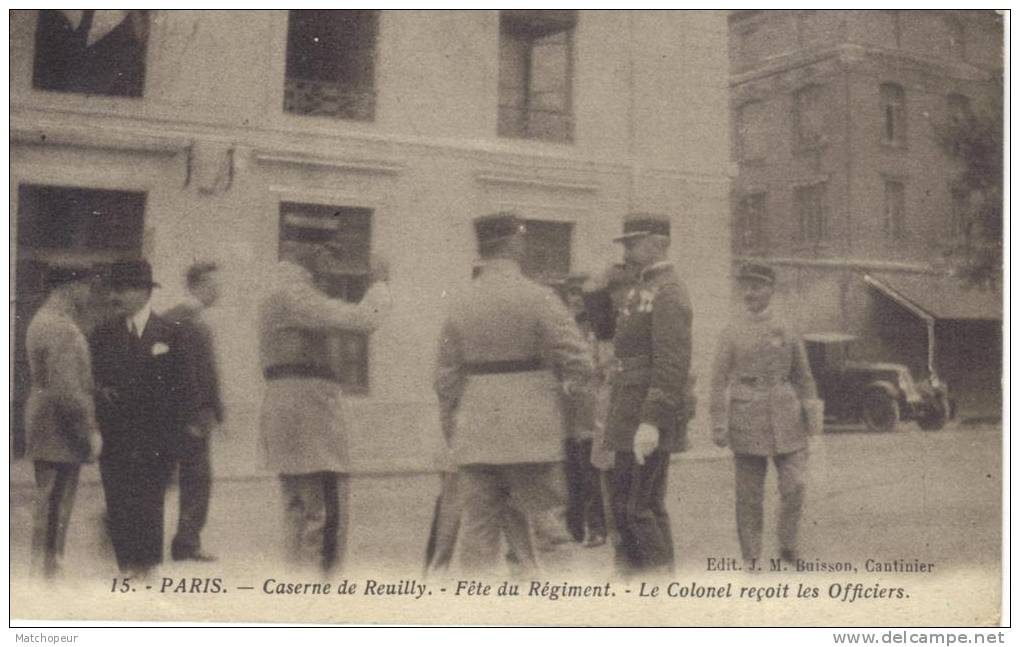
(909, 494)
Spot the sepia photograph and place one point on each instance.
(559, 317)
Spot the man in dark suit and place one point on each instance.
(204, 412)
(139, 379)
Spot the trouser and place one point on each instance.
(55, 487)
(446, 526)
(316, 508)
(135, 489)
(639, 509)
(750, 475)
(584, 493)
(195, 482)
(503, 498)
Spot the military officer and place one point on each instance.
(498, 350)
(760, 382)
(647, 415)
(60, 414)
(303, 437)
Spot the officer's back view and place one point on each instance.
(506, 351)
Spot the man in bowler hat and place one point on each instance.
(60, 413)
(141, 394)
(647, 411)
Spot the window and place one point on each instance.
(331, 63)
(74, 219)
(751, 131)
(894, 210)
(314, 224)
(956, 43)
(58, 223)
(535, 74)
(547, 254)
(809, 116)
(958, 109)
(809, 202)
(959, 216)
(91, 51)
(751, 222)
(894, 115)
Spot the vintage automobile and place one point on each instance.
(878, 393)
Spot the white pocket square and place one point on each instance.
(159, 348)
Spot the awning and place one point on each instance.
(938, 297)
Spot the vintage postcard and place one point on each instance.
(507, 317)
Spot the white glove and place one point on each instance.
(645, 441)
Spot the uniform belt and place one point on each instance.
(300, 370)
(761, 380)
(637, 361)
(504, 366)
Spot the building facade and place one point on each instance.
(229, 135)
(843, 184)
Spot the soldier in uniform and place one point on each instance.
(60, 414)
(302, 436)
(760, 382)
(647, 414)
(498, 349)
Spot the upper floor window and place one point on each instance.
(894, 114)
(751, 222)
(894, 211)
(809, 116)
(547, 249)
(536, 74)
(331, 63)
(809, 202)
(956, 37)
(304, 224)
(751, 131)
(91, 51)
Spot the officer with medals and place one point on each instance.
(649, 398)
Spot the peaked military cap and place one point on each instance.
(498, 226)
(636, 225)
(757, 272)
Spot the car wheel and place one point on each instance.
(880, 412)
(935, 418)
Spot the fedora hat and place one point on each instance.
(131, 274)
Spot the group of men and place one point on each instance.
(115, 382)
(515, 370)
(522, 381)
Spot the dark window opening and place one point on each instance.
(547, 249)
(536, 74)
(894, 222)
(751, 222)
(349, 229)
(810, 205)
(91, 51)
(331, 63)
(894, 114)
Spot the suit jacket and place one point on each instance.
(496, 416)
(203, 408)
(653, 346)
(60, 414)
(142, 394)
(760, 377)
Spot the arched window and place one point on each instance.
(894, 114)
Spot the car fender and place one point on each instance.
(887, 387)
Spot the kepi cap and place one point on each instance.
(636, 225)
